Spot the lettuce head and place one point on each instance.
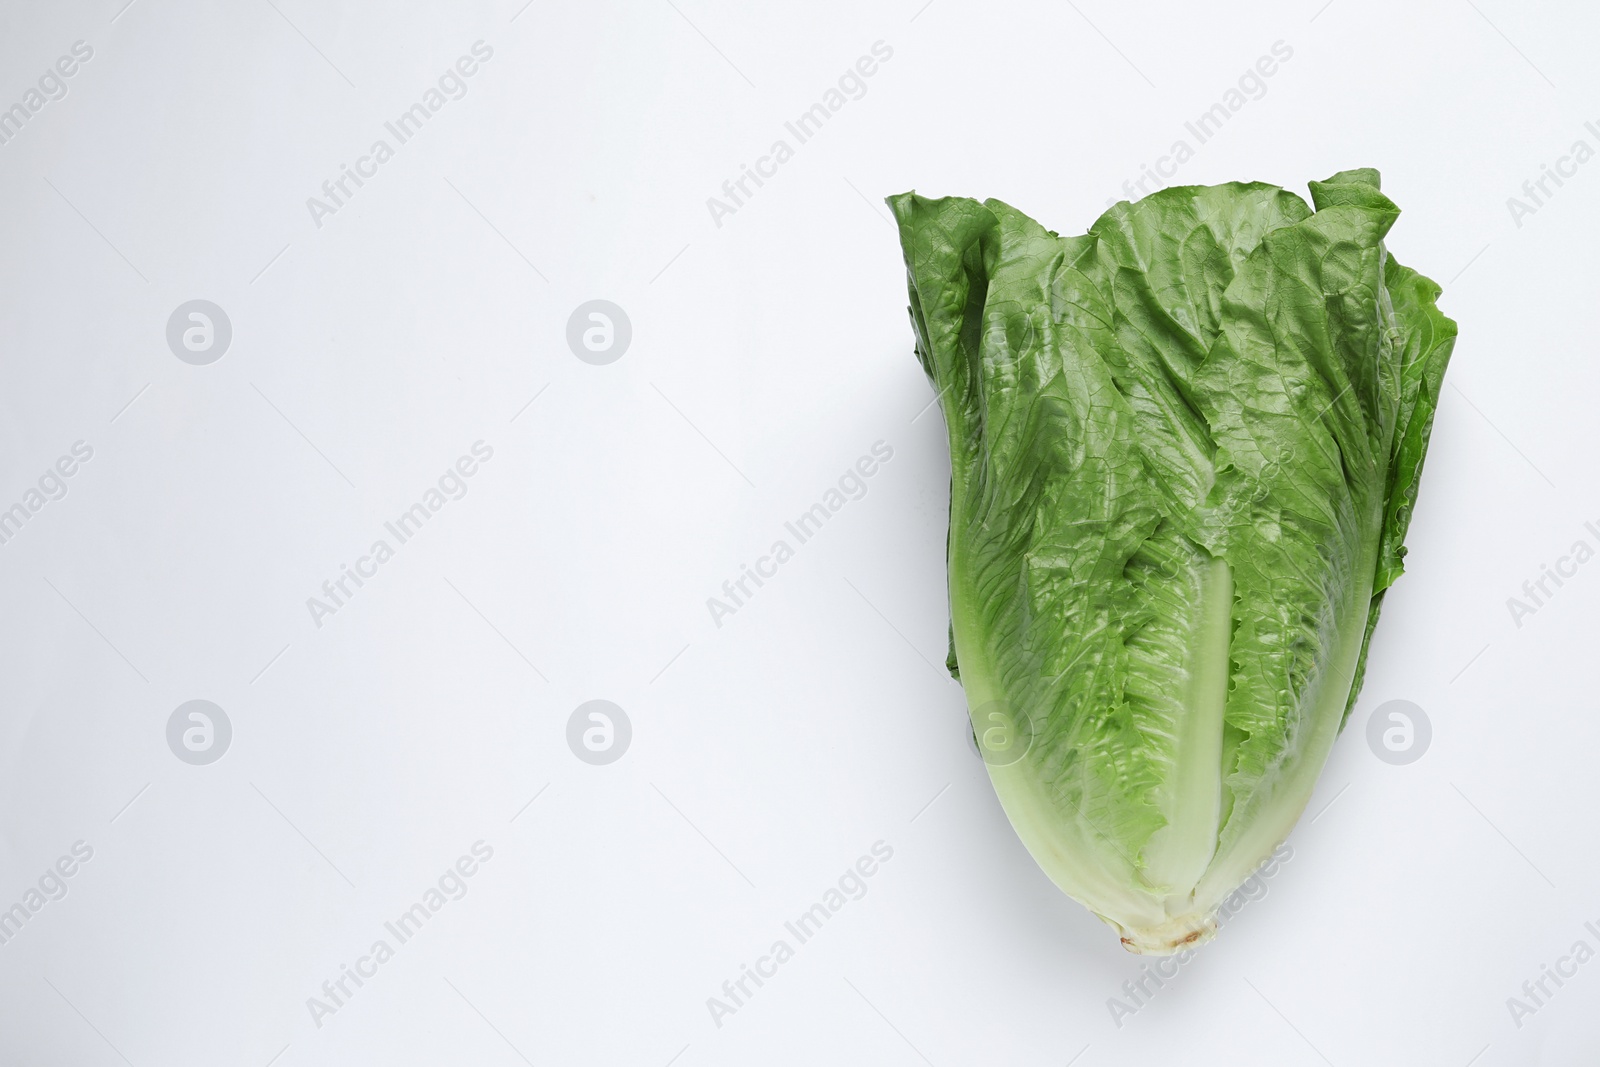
(1184, 447)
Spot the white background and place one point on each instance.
(768, 353)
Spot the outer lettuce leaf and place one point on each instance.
(1426, 338)
(1185, 447)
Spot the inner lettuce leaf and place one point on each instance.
(1185, 447)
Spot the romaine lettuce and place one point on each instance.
(1185, 447)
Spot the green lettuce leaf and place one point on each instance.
(1185, 448)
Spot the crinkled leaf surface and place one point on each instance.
(1185, 448)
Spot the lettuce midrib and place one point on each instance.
(1207, 856)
